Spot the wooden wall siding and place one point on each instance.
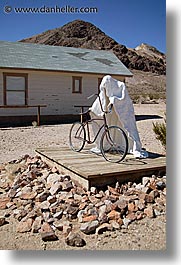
(54, 90)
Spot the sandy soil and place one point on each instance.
(147, 234)
(15, 142)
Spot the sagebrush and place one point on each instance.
(160, 131)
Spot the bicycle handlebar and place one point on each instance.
(106, 112)
(91, 96)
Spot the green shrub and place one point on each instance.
(160, 131)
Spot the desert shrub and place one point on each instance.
(154, 96)
(135, 98)
(160, 131)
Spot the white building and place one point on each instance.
(58, 77)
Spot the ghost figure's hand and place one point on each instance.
(110, 106)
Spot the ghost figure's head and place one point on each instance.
(105, 81)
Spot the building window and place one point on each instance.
(76, 84)
(15, 89)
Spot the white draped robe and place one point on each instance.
(114, 92)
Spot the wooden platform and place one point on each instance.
(89, 169)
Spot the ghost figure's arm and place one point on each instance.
(118, 96)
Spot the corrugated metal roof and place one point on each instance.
(58, 58)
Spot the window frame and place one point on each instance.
(25, 76)
(74, 79)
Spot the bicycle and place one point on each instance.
(113, 143)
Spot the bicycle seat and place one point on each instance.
(85, 115)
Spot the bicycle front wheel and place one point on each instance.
(77, 137)
(114, 144)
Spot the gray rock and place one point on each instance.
(77, 197)
(145, 181)
(66, 229)
(75, 240)
(89, 227)
(59, 224)
(45, 205)
(46, 216)
(126, 222)
(42, 196)
(58, 214)
(102, 211)
(47, 233)
(160, 185)
(52, 178)
(80, 215)
(36, 224)
(72, 211)
(103, 227)
(149, 211)
(56, 187)
(93, 190)
(51, 199)
(24, 226)
(67, 185)
(115, 225)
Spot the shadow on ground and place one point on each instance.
(147, 117)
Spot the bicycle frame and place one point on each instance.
(110, 145)
(87, 122)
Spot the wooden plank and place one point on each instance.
(90, 169)
(110, 171)
(82, 162)
(65, 153)
(69, 154)
(87, 162)
(75, 157)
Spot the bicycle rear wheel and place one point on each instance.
(114, 144)
(77, 137)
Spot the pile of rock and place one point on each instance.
(44, 201)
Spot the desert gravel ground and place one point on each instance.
(18, 141)
(146, 234)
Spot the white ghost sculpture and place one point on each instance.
(114, 93)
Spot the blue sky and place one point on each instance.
(129, 22)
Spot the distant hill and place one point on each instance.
(81, 34)
(146, 63)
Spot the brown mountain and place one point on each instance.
(146, 62)
(81, 34)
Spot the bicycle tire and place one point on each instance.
(77, 136)
(114, 144)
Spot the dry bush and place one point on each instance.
(160, 131)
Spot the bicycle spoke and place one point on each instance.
(77, 136)
(114, 144)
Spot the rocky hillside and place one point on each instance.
(81, 34)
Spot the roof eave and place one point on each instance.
(66, 71)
